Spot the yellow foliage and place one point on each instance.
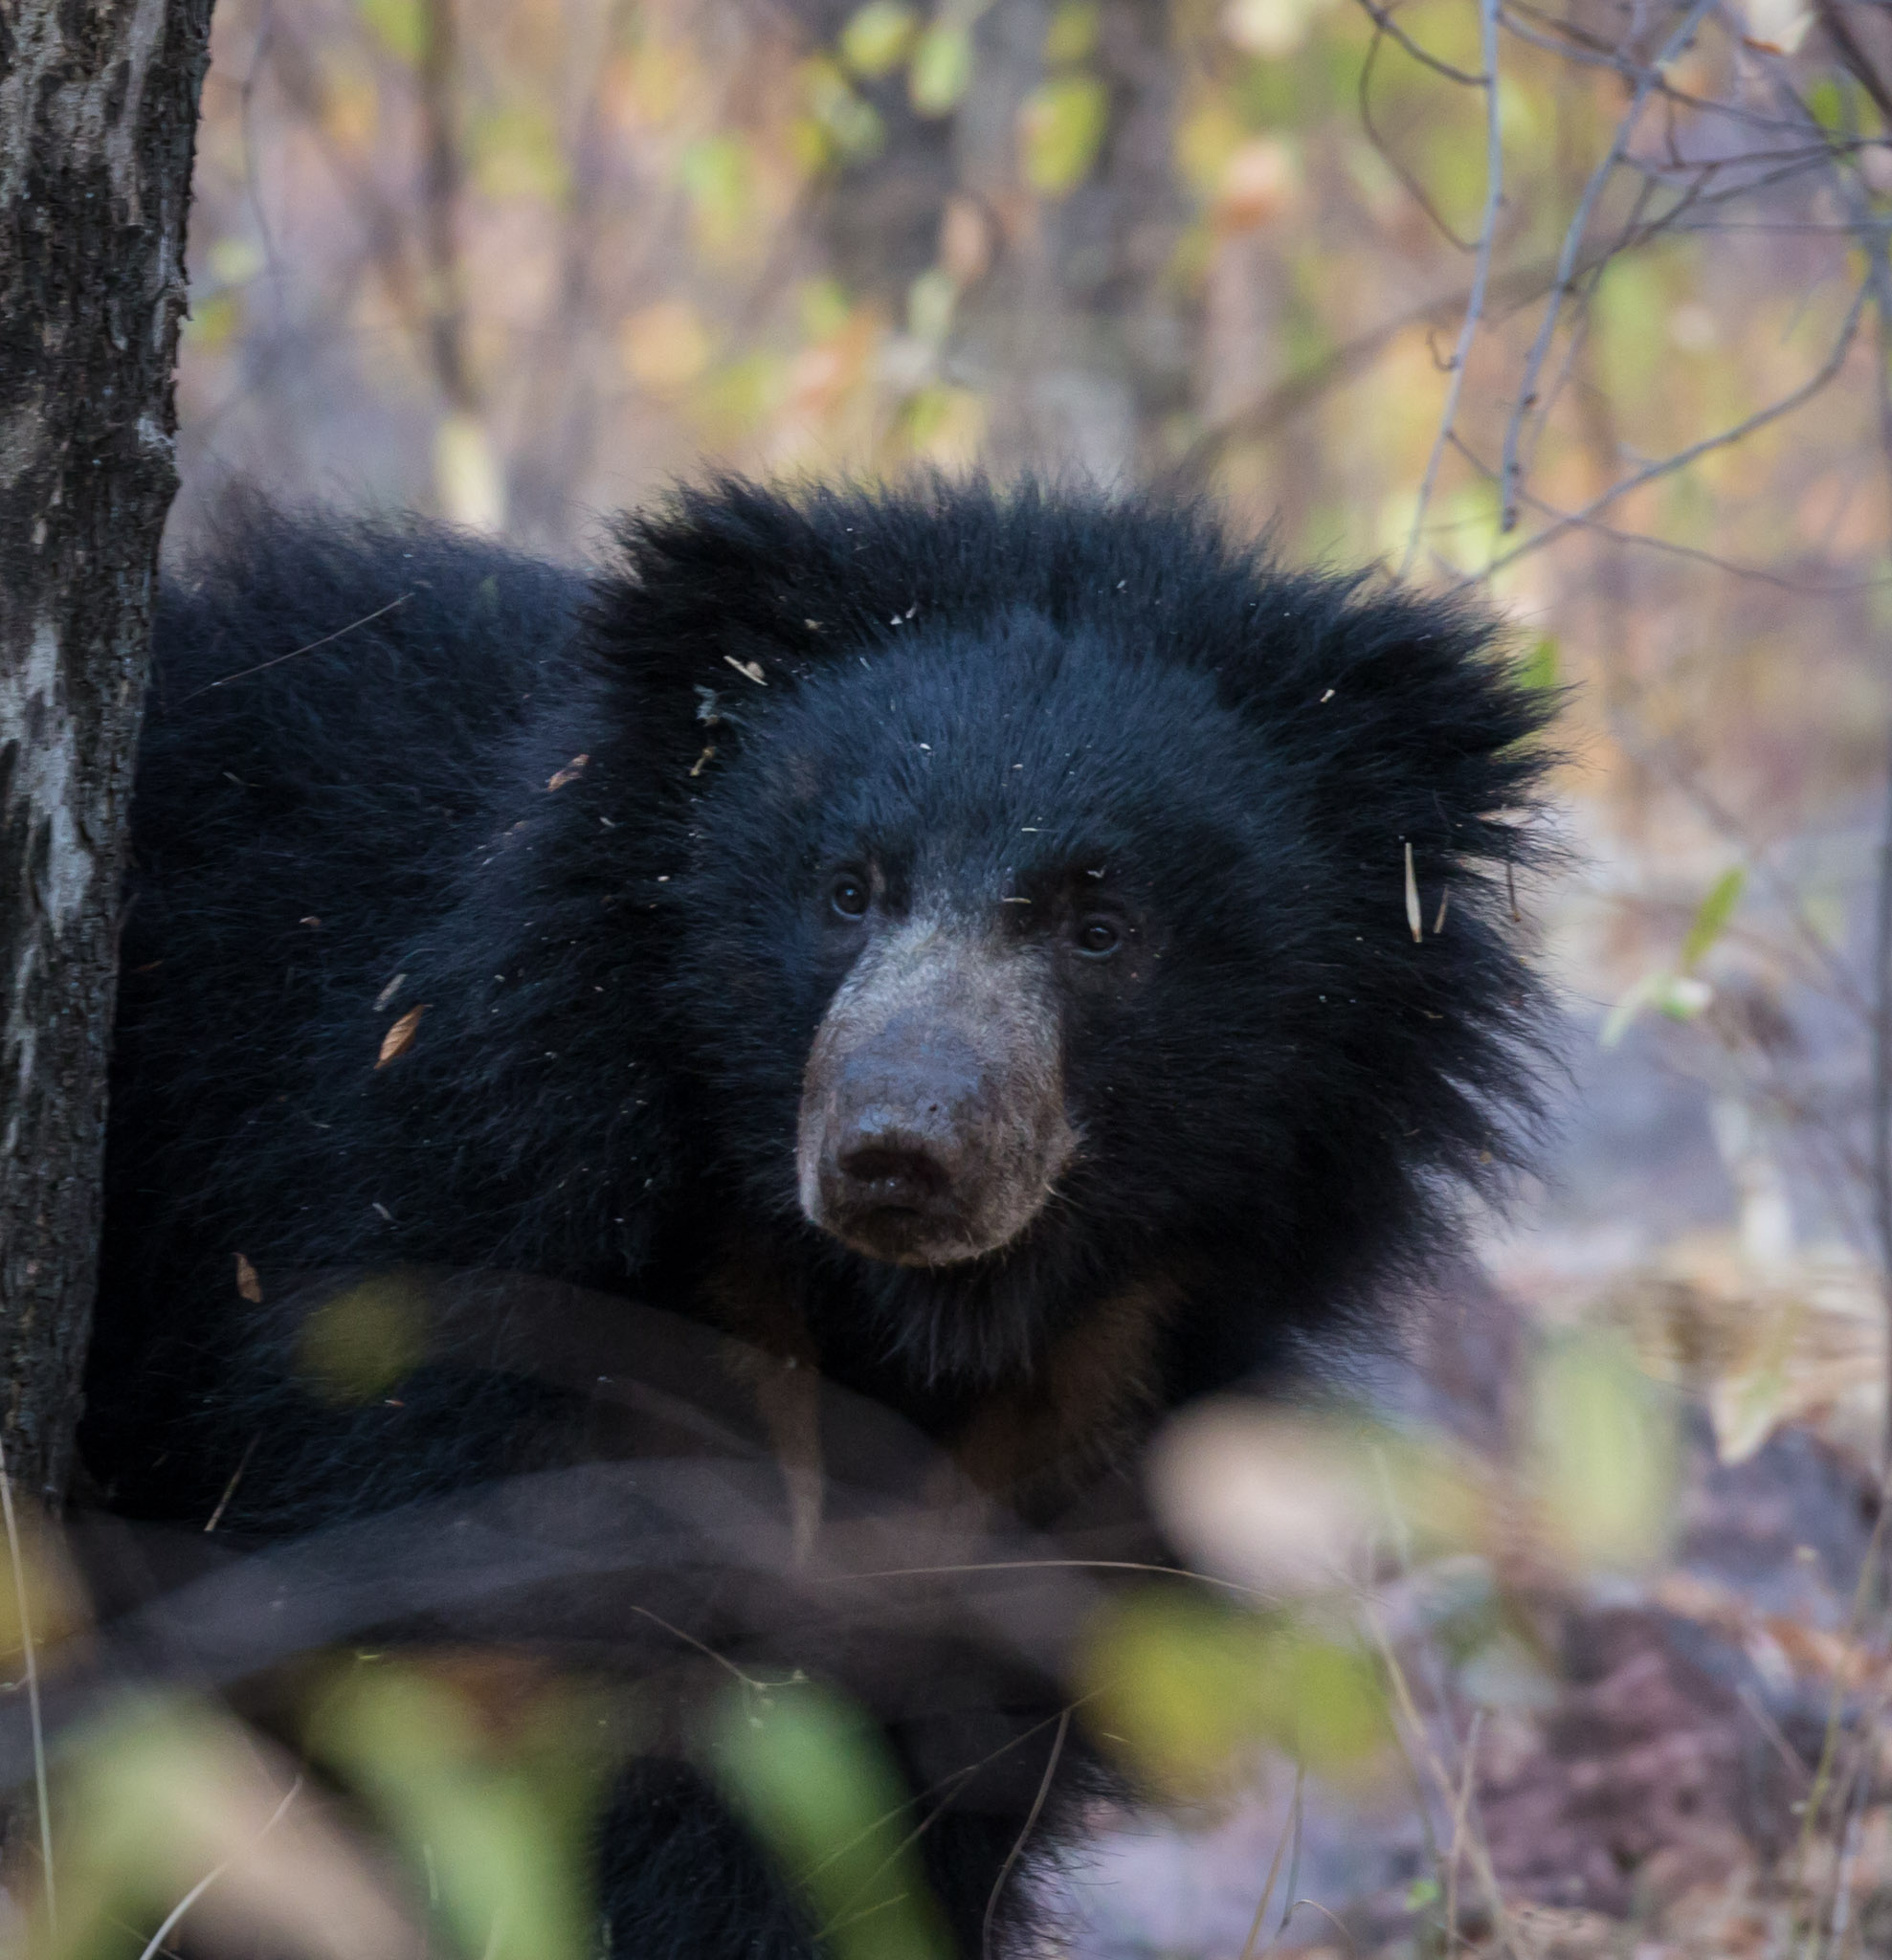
(665, 346)
(1061, 127)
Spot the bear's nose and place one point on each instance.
(889, 1168)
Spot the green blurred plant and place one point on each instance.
(814, 1780)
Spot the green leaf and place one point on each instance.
(361, 1342)
(1072, 34)
(1538, 669)
(1189, 1690)
(941, 69)
(1712, 915)
(929, 303)
(718, 174)
(1827, 102)
(852, 127)
(823, 306)
(878, 38)
(397, 25)
(1063, 124)
(814, 1781)
(504, 1820)
(1604, 1448)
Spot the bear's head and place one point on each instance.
(1039, 876)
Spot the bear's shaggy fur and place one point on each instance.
(955, 940)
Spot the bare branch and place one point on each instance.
(1682, 457)
(1413, 188)
(1567, 260)
(1382, 19)
(1494, 202)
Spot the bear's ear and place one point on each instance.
(732, 585)
(1405, 717)
(723, 593)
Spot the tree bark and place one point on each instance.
(97, 116)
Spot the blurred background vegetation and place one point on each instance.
(1585, 304)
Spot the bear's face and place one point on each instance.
(990, 926)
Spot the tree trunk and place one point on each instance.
(1076, 333)
(97, 115)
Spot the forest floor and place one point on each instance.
(1689, 1763)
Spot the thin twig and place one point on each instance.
(1567, 258)
(263, 666)
(1382, 18)
(155, 1944)
(1441, 1776)
(1460, 1811)
(235, 1477)
(41, 1790)
(1018, 1843)
(1494, 200)
(1680, 459)
(1414, 189)
(1255, 1925)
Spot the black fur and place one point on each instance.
(345, 778)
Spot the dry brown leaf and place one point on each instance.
(247, 1283)
(399, 1039)
(749, 670)
(569, 774)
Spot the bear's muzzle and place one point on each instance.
(933, 1124)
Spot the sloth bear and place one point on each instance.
(1016, 955)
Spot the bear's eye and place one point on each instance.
(1099, 937)
(848, 895)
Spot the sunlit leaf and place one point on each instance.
(1072, 34)
(1205, 141)
(361, 1342)
(851, 125)
(469, 486)
(1189, 1691)
(814, 1780)
(1062, 125)
(665, 346)
(235, 262)
(946, 426)
(735, 399)
(1712, 915)
(515, 151)
(823, 306)
(400, 26)
(929, 303)
(1604, 1450)
(159, 1800)
(214, 321)
(941, 71)
(1293, 1504)
(1777, 26)
(1269, 28)
(877, 37)
(718, 177)
(502, 1811)
(1258, 184)
(1538, 669)
(1676, 996)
